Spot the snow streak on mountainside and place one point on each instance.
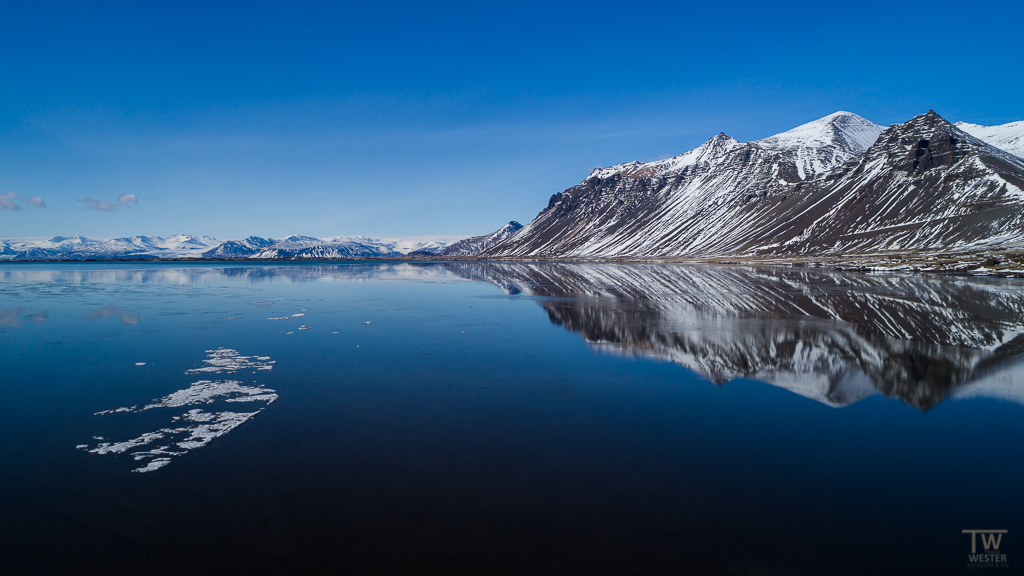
(836, 185)
(81, 248)
(1008, 137)
(477, 244)
(832, 337)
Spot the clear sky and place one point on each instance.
(378, 118)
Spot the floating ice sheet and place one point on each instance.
(230, 361)
(205, 392)
(197, 427)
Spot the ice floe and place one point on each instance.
(195, 428)
(154, 464)
(227, 360)
(114, 410)
(205, 392)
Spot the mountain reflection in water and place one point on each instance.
(833, 337)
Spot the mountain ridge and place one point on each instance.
(795, 193)
(476, 244)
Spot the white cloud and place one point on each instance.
(35, 202)
(123, 201)
(7, 202)
(100, 205)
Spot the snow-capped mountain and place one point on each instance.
(82, 248)
(835, 338)
(700, 202)
(337, 247)
(308, 247)
(418, 245)
(476, 244)
(185, 246)
(839, 184)
(239, 248)
(923, 185)
(1008, 137)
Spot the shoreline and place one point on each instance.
(995, 263)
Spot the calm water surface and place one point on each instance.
(505, 418)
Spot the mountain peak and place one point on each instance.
(928, 141)
(846, 130)
(299, 238)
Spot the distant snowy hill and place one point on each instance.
(239, 248)
(337, 247)
(307, 247)
(185, 246)
(81, 248)
(1008, 137)
(477, 244)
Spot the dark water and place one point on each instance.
(505, 419)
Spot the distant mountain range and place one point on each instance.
(184, 246)
(839, 186)
(306, 247)
(81, 248)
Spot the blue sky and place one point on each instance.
(443, 117)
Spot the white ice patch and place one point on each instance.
(154, 464)
(205, 392)
(199, 427)
(213, 425)
(119, 447)
(115, 410)
(230, 361)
